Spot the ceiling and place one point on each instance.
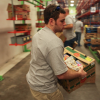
(63, 3)
(75, 2)
(67, 2)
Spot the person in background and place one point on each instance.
(47, 54)
(78, 30)
(69, 29)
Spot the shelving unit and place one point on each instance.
(23, 22)
(90, 18)
(14, 32)
(39, 8)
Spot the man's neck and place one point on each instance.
(51, 28)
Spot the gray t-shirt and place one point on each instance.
(46, 61)
(69, 33)
(78, 26)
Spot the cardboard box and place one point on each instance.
(95, 41)
(23, 27)
(9, 8)
(90, 36)
(26, 7)
(40, 24)
(10, 15)
(88, 65)
(95, 47)
(23, 15)
(23, 7)
(40, 15)
(61, 36)
(98, 30)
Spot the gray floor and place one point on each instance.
(14, 86)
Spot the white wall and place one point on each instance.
(8, 52)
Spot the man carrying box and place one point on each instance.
(47, 62)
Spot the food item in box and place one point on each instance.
(70, 62)
(65, 56)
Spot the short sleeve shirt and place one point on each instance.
(78, 26)
(46, 61)
(69, 33)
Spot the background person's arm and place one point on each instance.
(68, 26)
(82, 27)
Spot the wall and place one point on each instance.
(8, 52)
(72, 11)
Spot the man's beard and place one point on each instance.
(57, 29)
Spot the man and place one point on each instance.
(78, 30)
(69, 29)
(47, 62)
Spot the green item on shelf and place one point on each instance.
(1, 78)
(94, 54)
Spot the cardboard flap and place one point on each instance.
(78, 55)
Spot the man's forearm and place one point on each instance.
(68, 26)
(69, 75)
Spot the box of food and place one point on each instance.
(23, 15)
(61, 36)
(75, 60)
(23, 27)
(40, 15)
(95, 41)
(90, 36)
(10, 15)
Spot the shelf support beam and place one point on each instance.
(25, 47)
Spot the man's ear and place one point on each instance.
(52, 21)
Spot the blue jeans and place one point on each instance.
(78, 37)
(69, 42)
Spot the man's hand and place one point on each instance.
(82, 72)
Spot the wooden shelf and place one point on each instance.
(20, 44)
(19, 19)
(88, 13)
(18, 32)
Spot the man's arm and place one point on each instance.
(82, 29)
(69, 74)
(68, 26)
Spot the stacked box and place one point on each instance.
(40, 15)
(40, 24)
(90, 33)
(61, 36)
(20, 11)
(88, 65)
(23, 27)
(95, 43)
(98, 32)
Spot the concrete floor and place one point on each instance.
(15, 87)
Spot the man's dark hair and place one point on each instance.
(50, 13)
(79, 18)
